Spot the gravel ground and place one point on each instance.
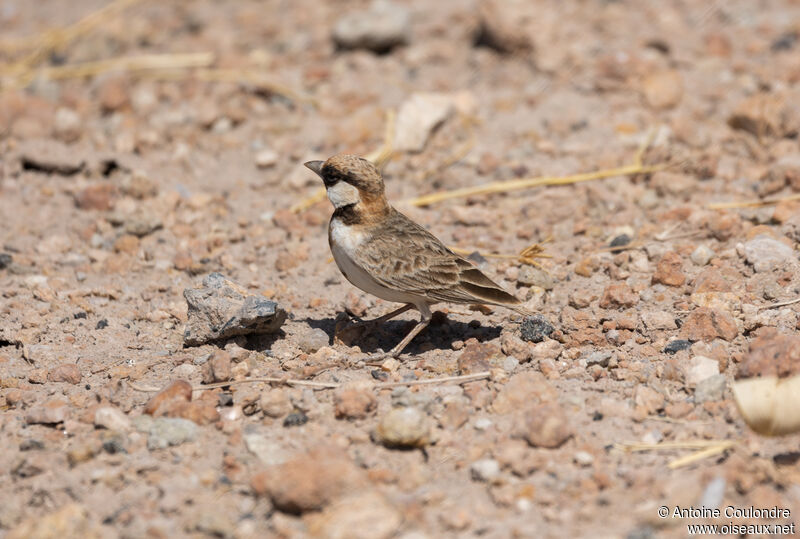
(121, 190)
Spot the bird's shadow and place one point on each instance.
(441, 333)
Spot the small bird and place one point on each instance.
(384, 253)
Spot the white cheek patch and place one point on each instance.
(343, 194)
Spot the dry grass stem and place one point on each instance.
(752, 203)
(704, 449)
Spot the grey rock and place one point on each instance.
(702, 255)
(535, 328)
(312, 340)
(222, 309)
(599, 357)
(700, 369)
(486, 470)
(765, 253)
(533, 276)
(164, 432)
(711, 389)
(379, 29)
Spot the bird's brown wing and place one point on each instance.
(423, 265)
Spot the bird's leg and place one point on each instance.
(369, 325)
(425, 319)
(350, 333)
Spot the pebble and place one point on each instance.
(111, 418)
(268, 451)
(354, 401)
(67, 124)
(533, 276)
(404, 427)
(771, 354)
(309, 482)
(503, 28)
(700, 368)
(275, 403)
(583, 458)
(51, 412)
(658, 320)
(711, 389)
(99, 196)
(618, 295)
(312, 340)
(669, 270)
(477, 357)
(223, 309)
(522, 389)
(295, 419)
(163, 401)
(361, 515)
(767, 115)
(380, 28)
(663, 89)
(536, 328)
(705, 324)
(218, 368)
(512, 345)
(164, 432)
(546, 425)
(702, 255)
(418, 117)
(483, 423)
(485, 470)
(677, 345)
(266, 158)
(68, 372)
(599, 357)
(765, 253)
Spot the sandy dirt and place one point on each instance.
(120, 190)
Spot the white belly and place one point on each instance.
(345, 242)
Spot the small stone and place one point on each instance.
(711, 389)
(295, 419)
(477, 357)
(702, 255)
(771, 354)
(700, 368)
(485, 470)
(5, 260)
(546, 425)
(164, 432)
(618, 295)
(658, 320)
(111, 418)
(503, 26)
(765, 253)
(677, 345)
(454, 416)
(99, 196)
(275, 403)
(67, 124)
(112, 93)
(266, 158)
(51, 412)
(309, 482)
(533, 276)
(521, 390)
(354, 401)
(223, 309)
(647, 401)
(217, 368)
(418, 117)
(583, 459)
(767, 114)
(663, 89)
(704, 324)
(160, 403)
(268, 450)
(312, 340)
(68, 372)
(379, 29)
(669, 270)
(536, 328)
(599, 357)
(404, 427)
(361, 515)
(138, 185)
(512, 345)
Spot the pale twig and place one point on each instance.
(705, 449)
(430, 381)
(700, 455)
(752, 203)
(525, 183)
(779, 304)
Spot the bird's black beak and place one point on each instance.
(315, 166)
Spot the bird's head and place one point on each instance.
(349, 180)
